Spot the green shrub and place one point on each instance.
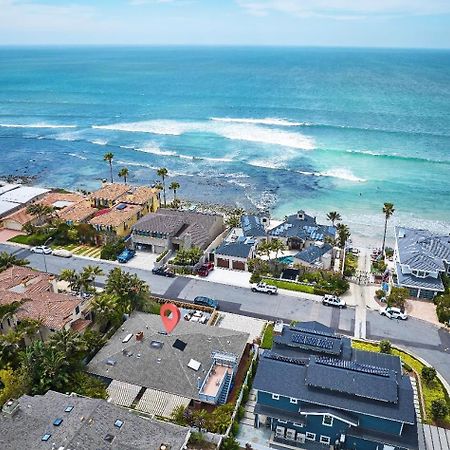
(443, 308)
(196, 438)
(240, 413)
(379, 294)
(407, 367)
(111, 250)
(267, 337)
(428, 374)
(230, 443)
(255, 277)
(234, 428)
(245, 394)
(151, 307)
(161, 256)
(439, 408)
(385, 346)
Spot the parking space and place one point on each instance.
(143, 260)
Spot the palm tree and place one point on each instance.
(333, 217)
(162, 172)
(67, 342)
(174, 186)
(388, 210)
(265, 248)
(343, 234)
(123, 173)
(105, 309)
(7, 260)
(277, 246)
(109, 157)
(87, 277)
(39, 210)
(72, 278)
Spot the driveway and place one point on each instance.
(6, 234)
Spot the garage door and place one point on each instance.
(223, 263)
(238, 265)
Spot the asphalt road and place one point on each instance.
(420, 337)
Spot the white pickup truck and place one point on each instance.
(265, 288)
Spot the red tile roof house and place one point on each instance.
(38, 300)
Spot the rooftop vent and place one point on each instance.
(109, 438)
(110, 362)
(156, 344)
(127, 338)
(11, 407)
(164, 447)
(140, 336)
(193, 364)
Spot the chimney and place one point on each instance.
(199, 382)
(11, 407)
(187, 240)
(278, 328)
(301, 215)
(140, 336)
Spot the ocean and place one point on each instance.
(265, 128)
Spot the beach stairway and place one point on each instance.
(225, 389)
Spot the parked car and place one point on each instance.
(205, 269)
(206, 301)
(353, 250)
(393, 313)
(41, 249)
(164, 271)
(62, 253)
(265, 288)
(126, 255)
(333, 300)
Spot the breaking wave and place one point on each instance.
(342, 174)
(266, 121)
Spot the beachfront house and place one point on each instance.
(172, 229)
(62, 421)
(421, 258)
(156, 371)
(35, 298)
(313, 390)
(318, 256)
(300, 231)
(235, 251)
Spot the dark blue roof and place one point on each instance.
(252, 226)
(303, 226)
(240, 248)
(313, 253)
(409, 280)
(352, 381)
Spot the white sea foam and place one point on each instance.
(343, 174)
(265, 163)
(34, 125)
(99, 141)
(266, 121)
(233, 131)
(75, 155)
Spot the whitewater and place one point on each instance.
(266, 129)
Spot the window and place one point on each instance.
(300, 425)
(310, 436)
(293, 400)
(327, 421)
(77, 310)
(324, 440)
(275, 397)
(282, 421)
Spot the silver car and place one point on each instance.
(41, 249)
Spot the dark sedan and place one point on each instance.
(164, 271)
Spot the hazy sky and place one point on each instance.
(384, 23)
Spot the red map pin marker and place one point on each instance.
(170, 316)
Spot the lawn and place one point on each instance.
(80, 249)
(268, 337)
(34, 239)
(289, 286)
(430, 392)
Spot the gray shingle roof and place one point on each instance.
(350, 388)
(176, 223)
(421, 249)
(313, 253)
(84, 427)
(165, 368)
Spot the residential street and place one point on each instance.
(422, 338)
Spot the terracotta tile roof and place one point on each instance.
(40, 303)
(115, 217)
(110, 191)
(55, 310)
(21, 216)
(138, 195)
(79, 212)
(53, 197)
(80, 324)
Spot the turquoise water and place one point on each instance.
(318, 129)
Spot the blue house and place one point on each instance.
(315, 391)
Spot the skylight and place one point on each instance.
(68, 409)
(193, 364)
(57, 422)
(46, 437)
(118, 423)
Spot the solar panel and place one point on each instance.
(319, 332)
(313, 341)
(180, 345)
(354, 366)
(287, 359)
